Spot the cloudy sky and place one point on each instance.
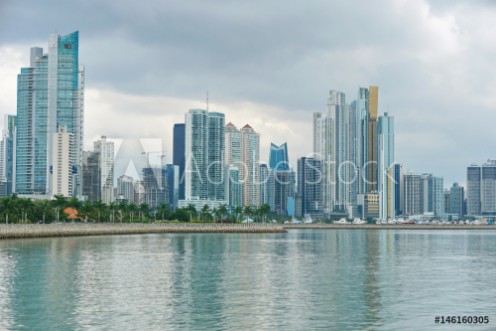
(271, 63)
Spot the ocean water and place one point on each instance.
(300, 280)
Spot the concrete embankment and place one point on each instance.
(390, 226)
(18, 231)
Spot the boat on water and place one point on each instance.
(308, 219)
(342, 221)
(357, 220)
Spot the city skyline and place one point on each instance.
(426, 71)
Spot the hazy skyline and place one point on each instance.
(272, 64)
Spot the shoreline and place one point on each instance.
(26, 231)
(390, 226)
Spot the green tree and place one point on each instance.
(264, 210)
(205, 213)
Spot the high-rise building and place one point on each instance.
(91, 176)
(64, 168)
(481, 189)
(385, 162)
(250, 171)
(234, 163)
(7, 156)
(412, 193)
(125, 188)
(372, 138)
(474, 190)
(178, 157)
(457, 196)
(283, 178)
(267, 185)
(172, 180)
(399, 201)
(105, 149)
(50, 95)
(423, 194)
(359, 139)
(278, 158)
(204, 156)
(332, 147)
(154, 186)
(309, 187)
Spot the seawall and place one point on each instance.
(18, 231)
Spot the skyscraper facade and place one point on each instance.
(105, 150)
(178, 156)
(250, 171)
(372, 138)
(385, 162)
(278, 158)
(481, 189)
(457, 197)
(7, 156)
(233, 160)
(204, 156)
(50, 94)
(309, 187)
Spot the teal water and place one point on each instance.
(300, 280)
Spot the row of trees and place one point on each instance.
(15, 209)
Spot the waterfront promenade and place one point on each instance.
(18, 231)
(391, 226)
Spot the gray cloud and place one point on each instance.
(432, 60)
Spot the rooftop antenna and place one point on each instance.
(207, 100)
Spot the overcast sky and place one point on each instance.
(271, 64)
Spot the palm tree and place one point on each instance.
(238, 210)
(100, 209)
(222, 210)
(59, 204)
(205, 211)
(264, 211)
(164, 210)
(132, 208)
(144, 209)
(248, 211)
(192, 211)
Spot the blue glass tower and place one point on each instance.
(279, 159)
(50, 95)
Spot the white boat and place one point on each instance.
(295, 221)
(356, 220)
(341, 221)
(308, 219)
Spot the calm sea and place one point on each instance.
(300, 280)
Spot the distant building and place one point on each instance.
(250, 171)
(481, 189)
(105, 149)
(125, 188)
(278, 158)
(457, 197)
(50, 95)
(385, 166)
(7, 156)
(172, 180)
(234, 164)
(91, 176)
(309, 195)
(154, 186)
(204, 156)
(423, 194)
(371, 205)
(179, 154)
(64, 167)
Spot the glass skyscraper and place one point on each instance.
(50, 95)
(278, 159)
